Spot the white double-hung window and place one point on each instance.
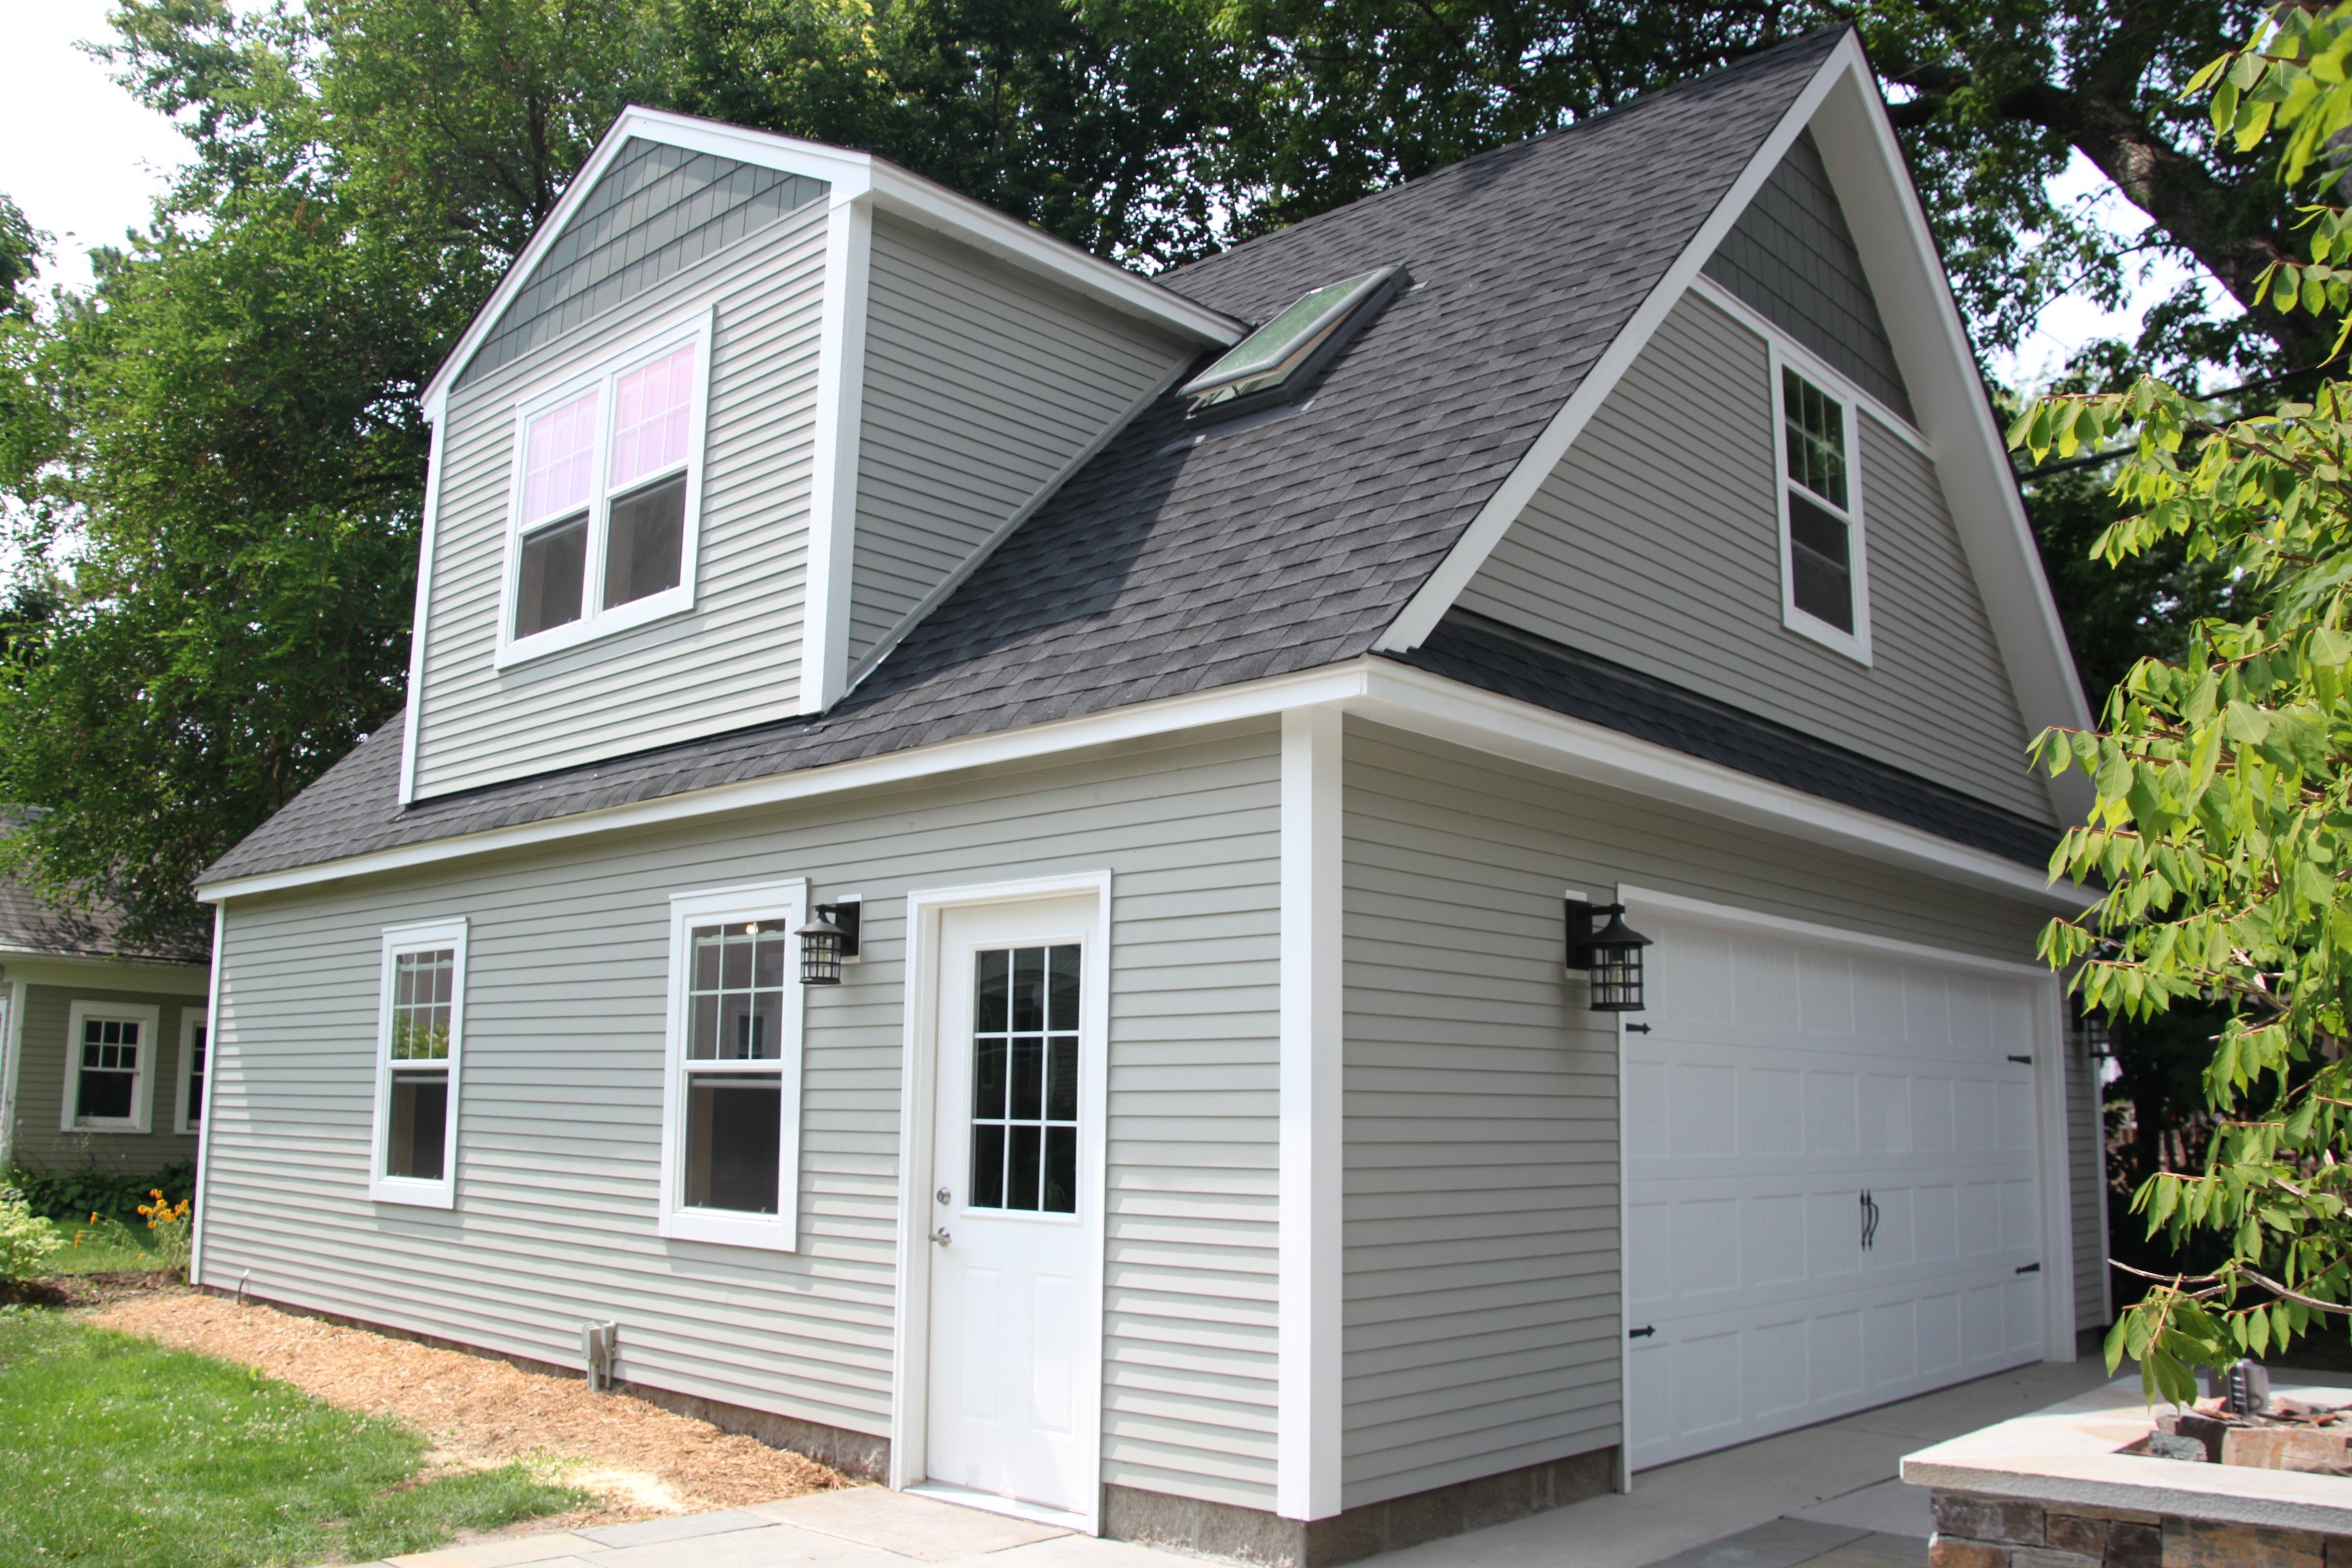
(1824, 581)
(606, 492)
(420, 1049)
(731, 1118)
(110, 1074)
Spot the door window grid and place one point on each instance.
(110, 1070)
(1025, 1118)
(734, 1088)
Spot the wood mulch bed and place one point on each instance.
(640, 1461)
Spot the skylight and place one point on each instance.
(1274, 355)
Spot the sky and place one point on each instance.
(78, 155)
(84, 160)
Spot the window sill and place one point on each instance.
(594, 629)
(726, 1230)
(88, 1126)
(1853, 646)
(413, 1193)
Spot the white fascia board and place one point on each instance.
(163, 975)
(1421, 612)
(1939, 367)
(1378, 688)
(851, 174)
(427, 535)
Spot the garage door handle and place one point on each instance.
(1642, 1334)
(2030, 1269)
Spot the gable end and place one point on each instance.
(1792, 257)
(658, 209)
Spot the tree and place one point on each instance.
(2222, 832)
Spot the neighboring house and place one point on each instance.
(101, 1042)
(1208, 1140)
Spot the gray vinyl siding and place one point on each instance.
(1481, 1244)
(559, 1132)
(656, 210)
(1656, 543)
(2087, 1178)
(981, 387)
(1791, 256)
(734, 659)
(41, 1080)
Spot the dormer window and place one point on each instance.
(1280, 360)
(608, 465)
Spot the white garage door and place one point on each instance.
(1831, 1189)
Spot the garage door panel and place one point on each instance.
(1778, 1082)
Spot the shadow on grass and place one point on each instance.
(119, 1453)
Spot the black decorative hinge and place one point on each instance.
(1637, 1029)
(2022, 1061)
(2030, 1269)
(1642, 1334)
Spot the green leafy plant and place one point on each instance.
(2222, 828)
(70, 1197)
(172, 1226)
(27, 1239)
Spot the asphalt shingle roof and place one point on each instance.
(1177, 560)
(1505, 660)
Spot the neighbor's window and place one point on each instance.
(422, 1024)
(194, 1042)
(1024, 1080)
(602, 538)
(1822, 543)
(112, 1059)
(735, 1092)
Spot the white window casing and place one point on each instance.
(188, 1111)
(406, 1067)
(1788, 492)
(685, 1214)
(614, 470)
(125, 1038)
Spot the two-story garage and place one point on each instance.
(1007, 867)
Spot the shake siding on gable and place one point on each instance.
(1481, 1167)
(561, 1093)
(1656, 543)
(730, 661)
(981, 387)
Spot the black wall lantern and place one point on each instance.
(825, 941)
(1601, 943)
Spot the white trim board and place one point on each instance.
(1940, 369)
(911, 1331)
(1310, 1285)
(12, 1051)
(212, 1073)
(832, 475)
(1377, 688)
(850, 176)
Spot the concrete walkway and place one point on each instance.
(1826, 1496)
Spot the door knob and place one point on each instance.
(944, 1196)
(941, 1237)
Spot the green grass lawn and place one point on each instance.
(118, 1453)
(102, 1249)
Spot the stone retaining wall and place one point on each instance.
(1977, 1530)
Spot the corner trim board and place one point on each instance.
(1309, 1286)
(833, 479)
(12, 1051)
(427, 534)
(212, 1076)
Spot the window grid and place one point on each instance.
(423, 992)
(1025, 1116)
(734, 1047)
(110, 1070)
(1815, 424)
(1820, 540)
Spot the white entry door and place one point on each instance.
(1011, 1400)
(1831, 1192)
